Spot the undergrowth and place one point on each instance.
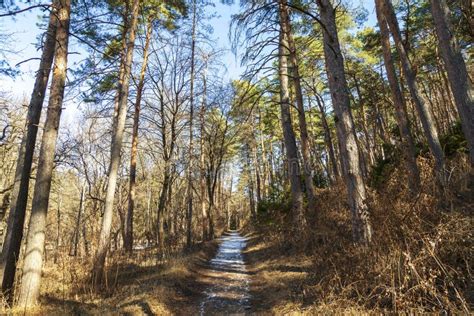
(420, 259)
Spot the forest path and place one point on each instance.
(228, 279)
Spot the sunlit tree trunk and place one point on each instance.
(19, 196)
(288, 133)
(128, 241)
(116, 147)
(460, 84)
(424, 112)
(361, 227)
(202, 164)
(296, 80)
(400, 104)
(35, 239)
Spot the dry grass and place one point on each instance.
(140, 285)
(420, 260)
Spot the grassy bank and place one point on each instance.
(420, 260)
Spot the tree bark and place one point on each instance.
(288, 133)
(75, 238)
(202, 171)
(424, 112)
(250, 183)
(128, 242)
(285, 24)
(400, 104)
(189, 214)
(34, 251)
(19, 196)
(459, 81)
(361, 227)
(327, 137)
(117, 139)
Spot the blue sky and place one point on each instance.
(25, 32)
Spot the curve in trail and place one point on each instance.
(228, 292)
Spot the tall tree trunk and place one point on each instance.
(328, 137)
(162, 204)
(266, 168)
(117, 140)
(365, 129)
(202, 169)
(459, 81)
(424, 112)
(250, 183)
(189, 214)
(128, 242)
(255, 162)
(361, 228)
(19, 196)
(33, 261)
(400, 104)
(77, 229)
(288, 133)
(285, 25)
(58, 229)
(211, 186)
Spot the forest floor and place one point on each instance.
(176, 287)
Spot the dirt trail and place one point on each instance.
(228, 279)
